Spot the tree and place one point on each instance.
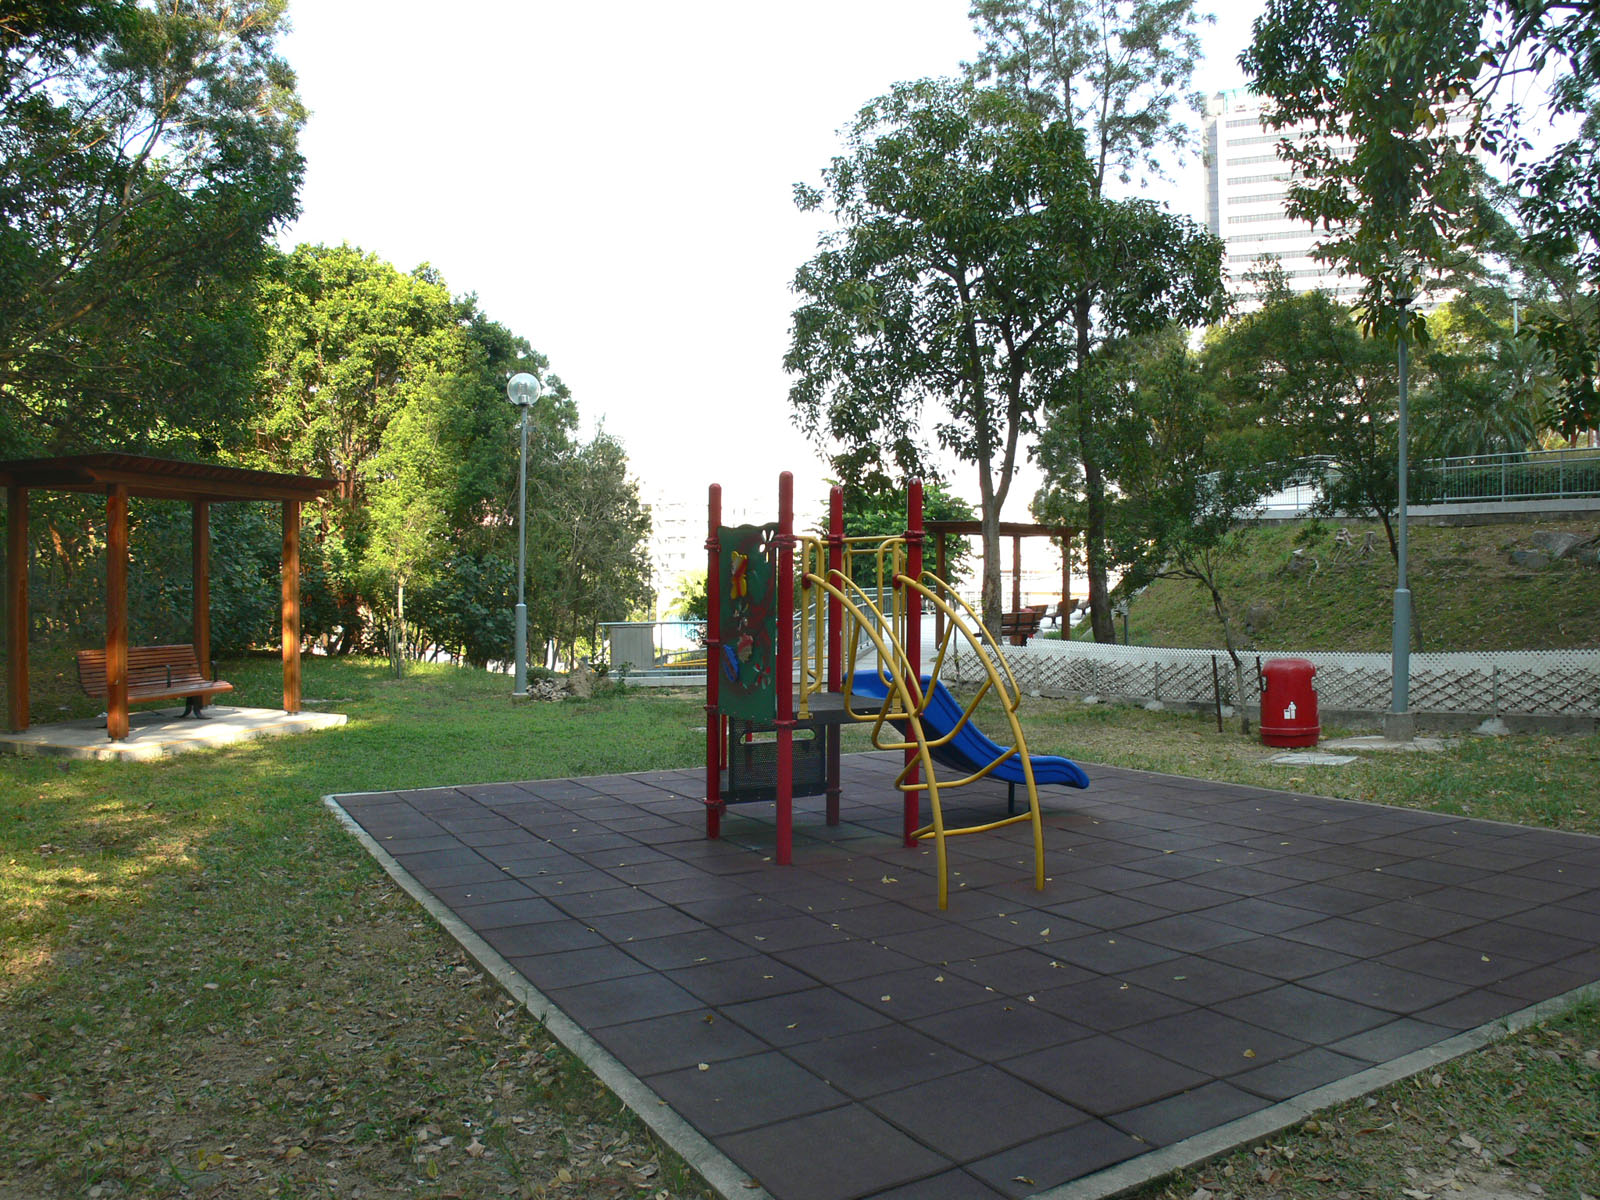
(148, 155)
(959, 213)
(880, 511)
(1485, 390)
(592, 534)
(1193, 474)
(1138, 269)
(1300, 367)
(382, 381)
(1116, 71)
(1384, 171)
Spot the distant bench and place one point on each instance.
(154, 673)
(1017, 627)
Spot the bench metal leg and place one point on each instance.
(192, 706)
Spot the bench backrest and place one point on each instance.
(152, 665)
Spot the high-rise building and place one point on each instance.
(1247, 186)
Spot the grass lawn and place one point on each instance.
(209, 989)
(1467, 592)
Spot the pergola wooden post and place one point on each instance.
(119, 477)
(200, 557)
(117, 612)
(1016, 532)
(291, 606)
(17, 607)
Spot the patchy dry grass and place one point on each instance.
(208, 989)
(1519, 1118)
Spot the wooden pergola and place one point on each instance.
(120, 477)
(1016, 531)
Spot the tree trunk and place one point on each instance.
(991, 604)
(1094, 483)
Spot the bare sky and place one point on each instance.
(615, 182)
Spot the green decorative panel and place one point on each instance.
(749, 623)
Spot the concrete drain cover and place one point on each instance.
(1312, 758)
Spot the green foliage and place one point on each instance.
(1390, 79)
(1116, 69)
(149, 155)
(1483, 391)
(976, 269)
(881, 512)
(591, 533)
(942, 287)
(1188, 474)
(385, 383)
(1299, 372)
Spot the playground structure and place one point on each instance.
(790, 628)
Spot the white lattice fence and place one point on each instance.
(1565, 682)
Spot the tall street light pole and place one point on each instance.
(522, 390)
(1398, 724)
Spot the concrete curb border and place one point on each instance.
(1257, 1127)
(688, 1143)
(732, 1183)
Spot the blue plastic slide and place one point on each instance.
(971, 750)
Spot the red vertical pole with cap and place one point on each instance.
(784, 670)
(713, 664)
(913, 641)
(835, 639)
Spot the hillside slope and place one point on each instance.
(1467, 591)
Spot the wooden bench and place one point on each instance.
(154, 673)
(1018, 627)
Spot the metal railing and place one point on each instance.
(1486, 478)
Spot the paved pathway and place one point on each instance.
(1205, 955)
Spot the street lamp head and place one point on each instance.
(522, 389)
(1405, 270)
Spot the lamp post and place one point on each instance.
(1398, 724)
(522, 390)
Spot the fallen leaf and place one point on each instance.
(1249, 1053)
(702, 1066)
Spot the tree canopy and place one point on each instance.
(942, 287)
(148, 154)
(1117, 70)
(1396, 99)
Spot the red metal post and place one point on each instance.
(713, 664)
(784, 671)
(835, 640)
(913, 635)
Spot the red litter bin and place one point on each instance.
(1289, 703)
